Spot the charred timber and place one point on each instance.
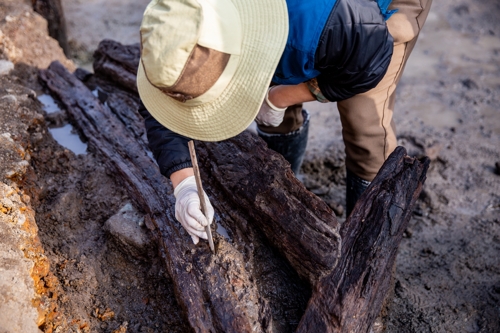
(350, 298)
(117, 63)
(216, 291)
(216, 294)
(297, 222)
(248, 184)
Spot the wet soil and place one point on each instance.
(102, 287)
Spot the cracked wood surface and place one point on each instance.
(349, 266)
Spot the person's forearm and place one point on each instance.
(178, 176)
(283, 95)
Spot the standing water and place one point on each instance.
(65, 136)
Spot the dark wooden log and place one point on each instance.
(52, 11)
(244, 173)
(350, 298)
(117, 63)
(300, 225)
(250, 185)
(241, 311)
(215, 291)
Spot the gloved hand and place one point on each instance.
(269, 115)
(188, 209)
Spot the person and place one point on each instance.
(209, 68)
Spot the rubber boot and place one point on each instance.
(355, 186)
(292, 146)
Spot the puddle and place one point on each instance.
(66, 138)
(49, 105)
(222, 231)
(63, 135)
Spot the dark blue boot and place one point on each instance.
(292, 146)
(355, 186)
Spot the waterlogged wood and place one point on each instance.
(262, 185)
(254, 179)
(215, 291)
(118, 63)
(295, 221)
(248, 184)
(350, 298)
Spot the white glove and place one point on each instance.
(269, 115)
(188, 209)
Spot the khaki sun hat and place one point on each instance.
(206, 64)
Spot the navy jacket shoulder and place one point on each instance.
(350, 53)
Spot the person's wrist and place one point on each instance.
(271, 104)
(178, 176)
(282, 96)
(275, 96)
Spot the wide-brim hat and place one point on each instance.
(206, 64)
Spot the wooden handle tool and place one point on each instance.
(201, 193)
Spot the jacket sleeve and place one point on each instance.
(169, 149)
(354, 50)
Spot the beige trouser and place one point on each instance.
(367, 126)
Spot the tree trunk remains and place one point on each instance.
(350, 298)
(216, 291)
(52, 11)
(117, 63)
(248, 185)
(267, 190)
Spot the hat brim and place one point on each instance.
(265, 31)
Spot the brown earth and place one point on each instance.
(448, 268)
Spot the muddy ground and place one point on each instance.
(448, 108)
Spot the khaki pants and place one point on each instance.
(367, 126)
(368, 129)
